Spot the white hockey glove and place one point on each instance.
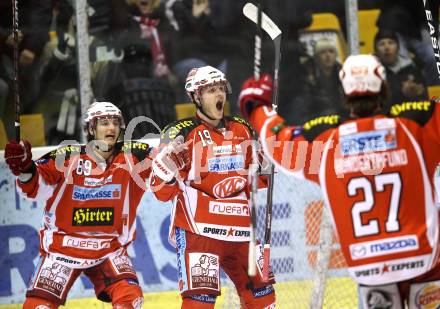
(171, 159)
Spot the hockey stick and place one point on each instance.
(15, 68)
(253, 172)
(433, 34)
(251, 12)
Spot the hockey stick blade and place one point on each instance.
(251, 12)
(266, 262)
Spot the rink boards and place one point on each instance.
(152, 255)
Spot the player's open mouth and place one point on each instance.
(219, 105)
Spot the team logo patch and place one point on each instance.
(101, 216)
(122, 264)
(53, 278)
(229, 186)
(368, 142)
(204, 271)
(107, 192)
(226, 164)
(429, 296)
(379, 299)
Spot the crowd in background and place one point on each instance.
(141, 51)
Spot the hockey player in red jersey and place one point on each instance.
(376, 176)
(91, 194)
(203, 169)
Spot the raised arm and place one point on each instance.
(284, 144)
(34, 179)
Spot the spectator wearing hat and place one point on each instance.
(408, 20)
(406, 81)
(324, 69)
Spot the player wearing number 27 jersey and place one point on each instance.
(375, 172)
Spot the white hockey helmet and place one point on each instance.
(198, 78)
(362, 75)
(101, 110)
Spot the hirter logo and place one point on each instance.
(229, 186)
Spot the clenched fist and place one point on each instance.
(18, 156)
(255, 93)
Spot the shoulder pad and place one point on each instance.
(240, 120)
(139, 149)
(312, 128)
(418, 111)
(66, 150)
(180, 127)
(245, 123)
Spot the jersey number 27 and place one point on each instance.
(370, 188)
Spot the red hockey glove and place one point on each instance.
(171, 159)
(18, 156)
(255, 93)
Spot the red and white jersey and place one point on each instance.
(90, 207)
(376, 175)
(211, 195)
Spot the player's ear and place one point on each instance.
(197, 99)
(91, 131)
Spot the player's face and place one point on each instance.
(386, 50)
(213, 99)
(107, 130)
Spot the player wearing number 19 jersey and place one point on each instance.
(210, 221)
(376, 175)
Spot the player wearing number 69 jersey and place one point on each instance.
(90, 196)
(376, 175)
(203, 168)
